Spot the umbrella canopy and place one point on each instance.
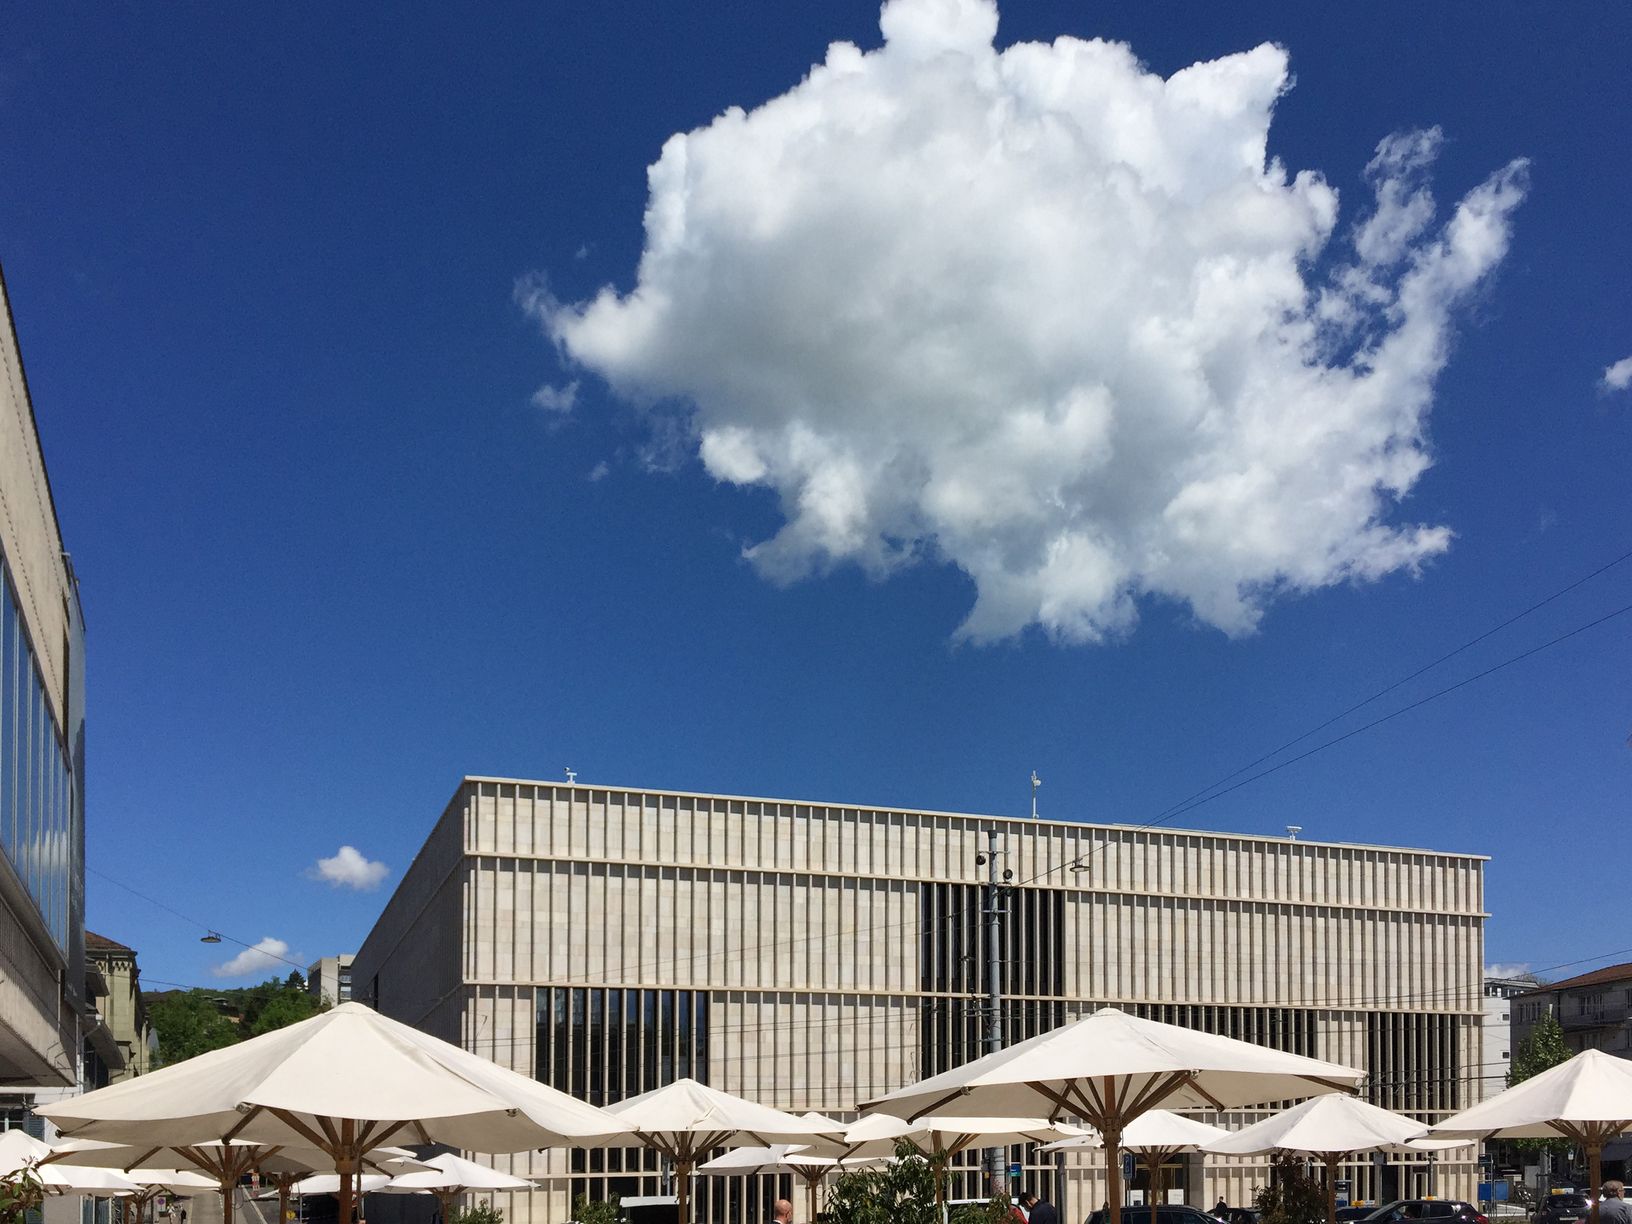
(685, 1119)
(343, 1082)
(456, 1174)
(1156, 1137)
(20, 1150)
(329, 1183)
(1587, 1099)
(1327, 1127)
(1110, 1067)
(169, 1181)
(784, 1158)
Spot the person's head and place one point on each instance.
(1613, 1189)
(1027, 1199)
(783, 1211)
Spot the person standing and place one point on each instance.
(782, 1212)
(1614, 1209)
(1043, 1212)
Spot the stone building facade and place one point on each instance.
(809, 955)
(42, 762)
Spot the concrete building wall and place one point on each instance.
(818, 955)
(42, 889)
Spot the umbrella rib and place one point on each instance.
(1154, 1091)
(294, 1123)
(249, 1116)
(930, 1109)
(419, 1129)
(1061, 1101)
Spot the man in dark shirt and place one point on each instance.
(1043, 1212)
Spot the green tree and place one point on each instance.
(1292, 1196)
(586, 1210)
(482, 1213)
(20, 1193)
(1542, 1048)
(189, 1023)
(284, 1008)
(902, 1192)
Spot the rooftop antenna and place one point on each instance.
(1292, 831)
(572, 775)
(1035, 783)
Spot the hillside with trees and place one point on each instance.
(191, 1022)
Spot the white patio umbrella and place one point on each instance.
(450, 1176)
(343, 1082)
(686, 1119)
(153, 1182)
(1110, 1067)
(1587, 1099)
(1155, 1137)
(20, 1150)
(784, 1158)
(1329, 1128)
(938, 1139)
(225, 1164)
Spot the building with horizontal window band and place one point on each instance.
(607, 940)
(43, 1012)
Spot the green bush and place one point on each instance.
(1292, 1196)
(482, 1213)
(20, 1193)
(586, 1210)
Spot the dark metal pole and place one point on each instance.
(994, 989)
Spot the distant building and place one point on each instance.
(1594, 1010)
(607, 940)
(123, 1014)
(42, 765)
(1498, 1027)
(330, 978)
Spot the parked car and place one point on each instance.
(1445, 1210)
(1562, 1209)
(1354, 1213)
(1172, 1213)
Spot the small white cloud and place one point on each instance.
(599, 472)
(268, 954)
(556, 399)
(1517, 969)
(1074, 331)
(350, 869)
(1618, 377)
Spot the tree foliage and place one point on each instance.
(481, 1213)
(902, 1192)
(21, 1192)
(191, 1022)
(1542, 1049)
(1292, 1196)
(586, 1210)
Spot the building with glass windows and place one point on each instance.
(608, 939)
(42, 760)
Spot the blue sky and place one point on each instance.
(334, 556)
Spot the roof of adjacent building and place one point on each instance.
(101, 943)
(1598, 977)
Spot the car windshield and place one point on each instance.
(1571, 1201)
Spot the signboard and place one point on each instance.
(1014, 1170)
(1127, 1166)
(1341, 1187)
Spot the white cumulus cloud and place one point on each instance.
(265, 956)
(1517, 969)
(558, 400)
(1618, 377)
(350, 868)
(1049, 317)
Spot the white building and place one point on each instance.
(610, 939)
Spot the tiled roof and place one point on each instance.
(101, 943)
(1598, 977)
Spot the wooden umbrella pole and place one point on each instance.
(1595, 1167)
(1113, 1172)
(810, 1192)
(1152, 1161)
(1331, 1186)
(682, 1173)
(345, 1165)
